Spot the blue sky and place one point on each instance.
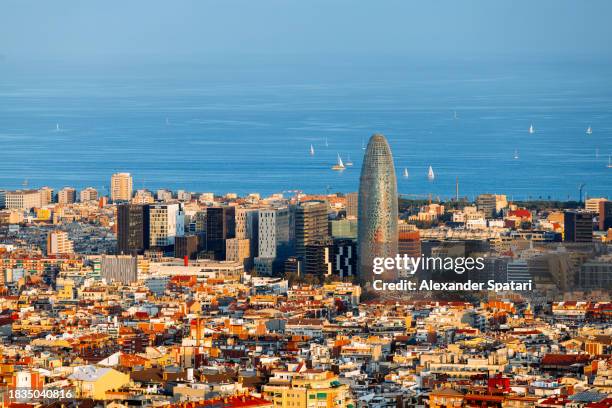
(196, 29)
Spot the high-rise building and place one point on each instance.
(58, 243)
(121, 187)
(119, 268)
(275, 244)
(2, 199)
(377, 228)
(132, 228)
(352, 204)
(220, 225)
(89, 194)
(578, 226)
(247, 227)
(318, 258)
(311, 226)
(166, 222)
(605, 215)
(46, 195)
(66, 195)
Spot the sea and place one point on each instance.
(245, 126)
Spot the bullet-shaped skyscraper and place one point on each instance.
(377, 207)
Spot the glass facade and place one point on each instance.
(377, 229)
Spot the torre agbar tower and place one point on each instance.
(377, 228)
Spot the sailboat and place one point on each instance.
(430, 174)
(339, 166)
(531, 129)
(455, 115)
(312, 150)
(326, 143)
(609, 162)
(57, 128)
(349, 162)
(516, 155)
(363, 146)
(405, 172)
(589, 131)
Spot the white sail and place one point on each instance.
(589, 131)
(430, 174)
(516, 156)
(405, 172)
(531, 129)
(312, 152)
(610, 162)
(349, 162)
(57, 128)
(326, 143)
(340, 164)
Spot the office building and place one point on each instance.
(344, 228)
(2, 199)
(121, 187)
(132, 228)
(23, 199)
(377, 228)
(318, 258)
(239, 250)
(311, 226)
(166, 222)
(247, 227)
(66, 195)
(578, 226)
(344, 258)
(58, 243)
(220, 225)
(275, 244)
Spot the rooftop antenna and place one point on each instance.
(457, 189)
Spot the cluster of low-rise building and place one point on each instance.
(188, 300)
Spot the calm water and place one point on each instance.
(245, 129)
